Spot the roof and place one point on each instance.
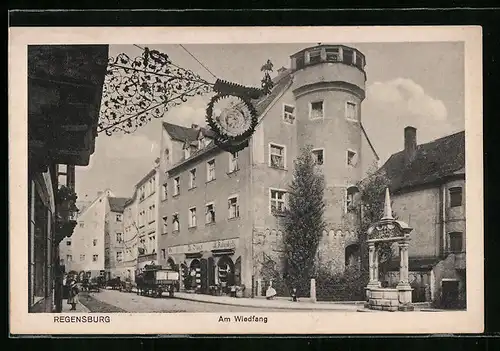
(188, 135)
(117, 204)
(433, 161)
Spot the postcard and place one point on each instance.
(265, 180)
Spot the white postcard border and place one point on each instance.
(321, 322)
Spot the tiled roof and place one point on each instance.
(117, 204)
(185, 134)
(433, 161)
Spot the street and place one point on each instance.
(108, 301)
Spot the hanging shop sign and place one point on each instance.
(206, 246)
(137, 90)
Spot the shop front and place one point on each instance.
(211, 267)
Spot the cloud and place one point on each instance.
(192, 111)
(392, 105)
(407, 96)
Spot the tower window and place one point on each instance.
(316, 110)
(351, 111)
(332, 54)
(455, 197)
(348, 56)
(314, 57)
(318, 156)
(351, 158)
(277, 201)
(350, 201)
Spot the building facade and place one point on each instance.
(87, 244)
(64, 92)
(221, 211)
(147, 225)
(427, 183)
(131, 235)
(114, 244)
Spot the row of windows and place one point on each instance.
(69, 258)
(94, 242)
(148, 188)
(193, 179)
(317, 111)
(149, 244)
(277, 156)
(233, 212)
(147, 216)
(330, 54)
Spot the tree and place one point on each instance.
(372, 191)
(303, 221)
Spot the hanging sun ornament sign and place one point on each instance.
(231, 113)
(137, 90)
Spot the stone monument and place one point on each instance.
(390, 230)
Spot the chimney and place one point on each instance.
(410, 143)
(195, 126)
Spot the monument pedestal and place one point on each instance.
(404, 297)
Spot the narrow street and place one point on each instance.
(109, 301)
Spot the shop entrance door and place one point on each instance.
(204, 276)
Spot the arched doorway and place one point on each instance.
(171, 264)
(195, 275)
(225, 272)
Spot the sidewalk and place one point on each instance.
(278, 303)
(80, 308)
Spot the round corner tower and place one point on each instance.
(329, 87)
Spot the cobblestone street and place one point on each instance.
(108, 301)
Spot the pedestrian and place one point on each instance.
(270, 292)
(294, 294)
(73, 295)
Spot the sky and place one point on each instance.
(417, 84)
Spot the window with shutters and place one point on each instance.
(316, 110)
(233, 162)
(175, 222)
(192, 217)
(276, 156)
(318, 155)
(209, 213)
(177, 186)
(192, 178)
(233, 207)
(210, 170)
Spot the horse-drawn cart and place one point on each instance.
(155, 280)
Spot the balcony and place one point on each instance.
(66, 213)
(328, 53)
